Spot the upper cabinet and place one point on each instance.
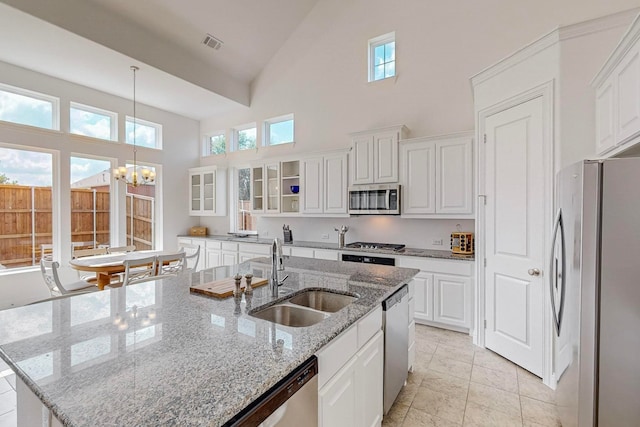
(375, 155)
(324, 184)
(617, 88)
(437, 176)
(207, 191)
(265, 188)
(290, 172)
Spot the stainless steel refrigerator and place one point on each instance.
(594, 288)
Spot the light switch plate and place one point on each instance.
(437, 242)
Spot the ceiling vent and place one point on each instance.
(212, 42)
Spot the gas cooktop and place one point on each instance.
(375, 246)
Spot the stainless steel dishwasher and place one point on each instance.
(396, 344)
(292, 402)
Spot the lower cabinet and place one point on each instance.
(213, 257)
(443, 292)
(351, 379)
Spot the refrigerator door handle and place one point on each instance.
(557, 314)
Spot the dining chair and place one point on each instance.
(192, 255)
(79, 253)
(171, 264)
(121, 249)
(139, 270)
(51, 276)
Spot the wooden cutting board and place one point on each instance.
(224, 288)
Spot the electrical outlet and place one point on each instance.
(437, 242)
(325, 235)
(265, 234)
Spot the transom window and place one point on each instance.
(215, 144)
(26, 107)
(279, 130)
(148, 134)
(382, 57)
(245, 137)
(93, 122)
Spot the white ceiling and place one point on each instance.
(93, 43)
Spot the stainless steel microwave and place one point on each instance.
(382, 199)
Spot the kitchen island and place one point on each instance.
(157, 354)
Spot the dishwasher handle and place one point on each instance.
(395, 298)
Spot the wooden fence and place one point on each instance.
(26, 222)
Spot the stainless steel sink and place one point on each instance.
(329, 302)
(289, 315)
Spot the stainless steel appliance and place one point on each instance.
(369, 259)
(595, 293)
(396, 344)
(375, 246)
(381, 199)
(292, 402)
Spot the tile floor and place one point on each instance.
(7, 396)
(455, 383)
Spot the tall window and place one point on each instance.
(382, 57)
(26, 231)
(90, 202)
(215, 144)
(93, 122)
(141, 213)
(279, 130)
(245, 137)
(148, 134)
(29, 108)
(244, 221)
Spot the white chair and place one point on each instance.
(192, 255)
(121, 249)
(79, 253)
(171, 264)
(52, 279)
(139, 270)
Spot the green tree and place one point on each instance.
(4, 179)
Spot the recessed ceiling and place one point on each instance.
(93, 43)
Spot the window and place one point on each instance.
(141, 213)
(93, 122)
(26, 231)
(244, 220)
(245, 137)
(215, 144)
(90, 202)
(279, 130)
(29, 108)
(382, 57)
(148, 134)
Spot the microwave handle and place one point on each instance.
(388, 200)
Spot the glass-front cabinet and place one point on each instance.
(273, 187)
(257, 189)
(206, 192)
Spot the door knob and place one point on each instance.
(534, 272)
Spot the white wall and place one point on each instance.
(320, 74)
(180, 151)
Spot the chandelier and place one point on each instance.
(144, 176)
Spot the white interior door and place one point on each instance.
(515, 234)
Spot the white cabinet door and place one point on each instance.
(419, 173)
(257, 189)
(272, 187)
(369, 376)
(423, 304)
(195, 193)
(335, 184)
(385, 157)
(628, 95)
(229, 258)
(209, 193)
(326, 254)
(605, 117)
(212, 259)
(454, 176)
(363, 160)
(312, 185)
(452, 300)
(338, 399)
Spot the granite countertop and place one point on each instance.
(157, 354)
(413, 252)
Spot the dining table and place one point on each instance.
(107, 266)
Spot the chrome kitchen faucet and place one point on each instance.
(276, 265)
